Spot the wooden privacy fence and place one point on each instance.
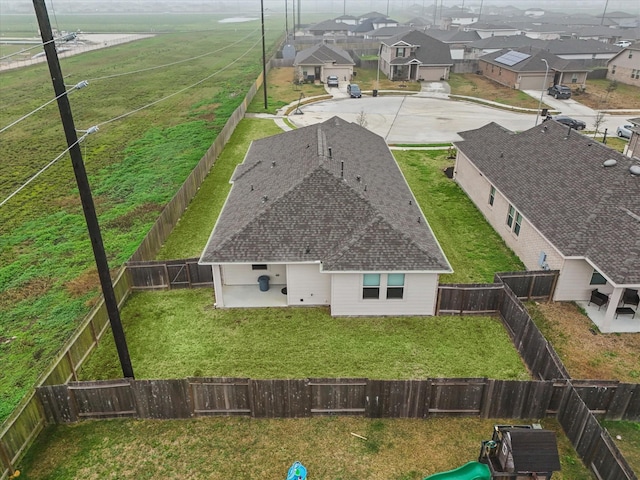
(533, 285)
(162, 275)
(193, 397)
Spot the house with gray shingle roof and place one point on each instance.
(323, 60)
(527, 70)
(415, 56)
(325, 213)
(548, 193)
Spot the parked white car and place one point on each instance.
(624, 130)
(623, 43)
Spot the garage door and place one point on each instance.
(531, 82)
(342, 73)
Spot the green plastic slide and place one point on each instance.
(469, 471)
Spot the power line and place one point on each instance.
(38, 45)
(172, 63)
(48, 165)
(182, 89)
(78, 86)
(95, 128)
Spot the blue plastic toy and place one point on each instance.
(297, 472)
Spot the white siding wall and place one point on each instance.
(306, 285)
(573, 283)
(244, 275)
(420, 292)
(529, 243)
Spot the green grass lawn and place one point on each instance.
(135, 165)
(190, 235)
(629, 441)
(472, 246)
(235, 447)
(178, 333)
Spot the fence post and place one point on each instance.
(4, 456)
(531, 285)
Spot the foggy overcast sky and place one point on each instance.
(354, 6)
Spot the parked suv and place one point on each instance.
(559, 91)
(354, 90)
(571, 122)
(332, 81)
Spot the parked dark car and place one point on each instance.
(332, 81)
(571, 122)
(354, 90)
(559, 91)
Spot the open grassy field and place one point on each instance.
(135, 165)
(178, 333)
(224, 448)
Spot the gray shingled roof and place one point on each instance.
(430, 51)
(321, 54)
(292, 201)
(558, 183)
(534, 63)
(453, 36)
(507, 41)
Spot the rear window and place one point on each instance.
(564, 89)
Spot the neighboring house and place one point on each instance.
(492, 30)
(601, 34)
(457, 40)
(625, 66)
(548, 193)
(370, 16)
(330, 28)
(462, 19)
(415, 56)
(584, 50)
(543, 31)
(624, 19)
(387, 32)
(382, 22)
(348, 19)
(524, 69)
(325, 212)
(484, 46)
(323, 60)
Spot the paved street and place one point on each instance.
(426, 119)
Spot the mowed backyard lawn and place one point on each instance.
(225, 448)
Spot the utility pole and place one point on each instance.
(293, 7)
(604, 13)
(286, 19)
(299, 21)
(83, 187)
(264, 58)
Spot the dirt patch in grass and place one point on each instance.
(32, 289)
(587, 353)
(473, 85)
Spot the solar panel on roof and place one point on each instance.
(511, 58)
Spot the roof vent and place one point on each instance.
(273, 164)
(634, 170)
(611, 162)
(264, 199)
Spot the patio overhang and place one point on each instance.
(616, 316)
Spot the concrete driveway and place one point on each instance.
(426, 118)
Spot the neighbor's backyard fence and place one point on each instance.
(169, 274)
